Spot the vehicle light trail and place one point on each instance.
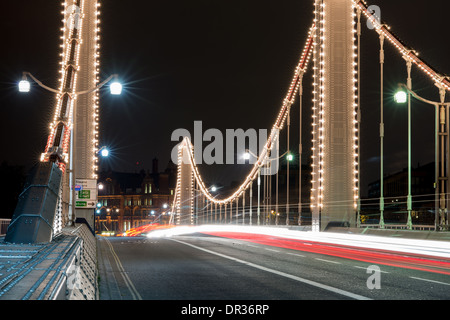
(377, 256)
(425, 255)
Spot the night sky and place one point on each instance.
(226, 63)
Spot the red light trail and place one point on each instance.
(376, 256)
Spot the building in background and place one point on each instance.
(130, 200)
(395, 193)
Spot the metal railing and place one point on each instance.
(399, 226)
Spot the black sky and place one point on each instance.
(226, 63)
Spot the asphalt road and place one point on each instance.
(205, 267)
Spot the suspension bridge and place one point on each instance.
(51, 218)
(336, 121)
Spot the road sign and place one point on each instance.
(86, 196)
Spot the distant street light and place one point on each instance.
(290, 157)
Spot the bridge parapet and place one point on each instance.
(64, 269)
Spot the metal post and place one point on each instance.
(237, 209)
(71, 217)
(276, 200)
(215, 213)
(300, 151)
(287, 168)
(243, 207)
(265, 197)
(258, 210)
(269, 195)
(381, 222)
(409, 199)
(447, 164)
(251, 202)
(231, 211)
(436, 169)
(444, 149)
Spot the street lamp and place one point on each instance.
(104, 152)
(24, 84)
(116, 86)
(116, 89)
(441, 130)
(401, 96)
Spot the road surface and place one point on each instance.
(209, 267)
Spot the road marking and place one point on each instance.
(268, 249)
(135, 294)
(295, 254)
(280, 273)
(359, 267)
(335, 262)
(434, 281)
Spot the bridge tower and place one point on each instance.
(184, 198)
(70, 156)
(85, 141)
(334, 192)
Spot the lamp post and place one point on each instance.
(381, 221)
(441, 149)
(115, 88)
(409, 199)
(25, 85)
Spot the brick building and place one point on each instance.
(129, 200)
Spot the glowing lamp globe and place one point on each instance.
(401, 97)
(105, 152)
(24, 86)
(116, 88)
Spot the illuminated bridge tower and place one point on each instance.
(85, 141)
(184, 197)
(334, 193)
(48, 201)
(77, 108)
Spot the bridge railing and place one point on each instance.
(399, 226)
(4, 223)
